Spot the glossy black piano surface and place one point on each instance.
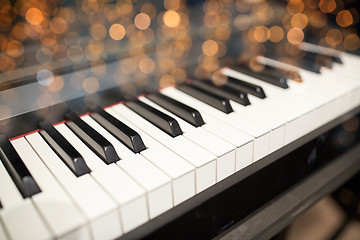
(84, 85)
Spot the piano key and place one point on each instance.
(181, 172)
(2, 233)
(122, 132)
(268, 75)
(259, 132)
(156, 183)
(68, 154)
(249, 88)
(225, 152)
(16, 169)
(316, 112)
(297, 113)
(223, 91)
(129, 196)
(15, 208)
(96, 205)
(307, 65)
(152, 181)
(289, 74)
(318, 59)
(220, 103)
(59, 212)
(90, 158)
(187, 113)
(204, 161)
(340, 97)
(159, 119)
(277, 125)
(92, 139)
(244, 143)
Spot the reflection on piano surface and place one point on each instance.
(91, 149)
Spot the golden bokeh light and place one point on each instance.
(57, 84)
(18, 32)
(344, 18)
(15, 48)
(276, 34)
(242, 21)
(171, 19)
(149, 9)
(98, 31)
(261, 34)
(299, 20)
(295, 6)
(146, 65)
(318, 19)
(124, 6)
(75, 53)
(166, 80)
(34, 16)
(142, 21)
(295, 36)
(128, 65)
(90, 84)
(333, 37)
(210, 48)
(172, 4)
(179, 74)
(352, 42)
(117, 31)
(327, 6)
(58, 25)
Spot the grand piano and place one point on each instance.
(174, 119)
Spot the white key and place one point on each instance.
(243, 141)
(342, 95)
(98, 208)
(181, 172)
(127, 193)
(284, 108)
(2, 233)
(55, 206)
(19, 215)
(204, 161)
(153, 186)
(259, 132)
(278, 126)
(224, 151)
(155, 182)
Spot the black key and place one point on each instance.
(218, 102)
(67, 153)
(270, 75)
(307, 65)
(249, 88)
(121, 131)
(187, 113)
(17, 169)
(319, 59)
(223, 91)
(156, 117)
(1, 205)
(336, 59)
(94, 140)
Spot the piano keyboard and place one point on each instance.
(65, 181)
